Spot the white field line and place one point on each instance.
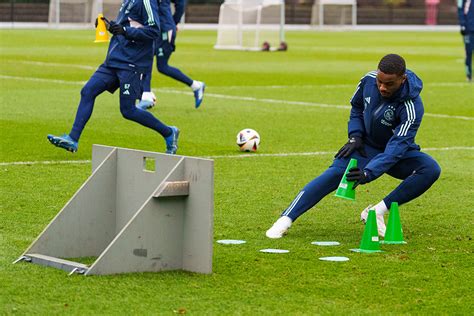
(76, 83)
(329, 86)
(252, 155)
(230, 97)
(48, 64)
(302, 103)
(334, 86)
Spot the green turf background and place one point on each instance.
(432, 274)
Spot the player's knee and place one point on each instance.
(87, 91)
(436, 171)
(129, 113)
(163, 68)
(432, 171)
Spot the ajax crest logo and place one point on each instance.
(389, 114)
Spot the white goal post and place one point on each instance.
(63, 12)
(318, 17)
(247, 24)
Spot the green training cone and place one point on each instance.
(345, 189)
(394, 233)
(370, 238)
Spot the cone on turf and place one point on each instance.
(370, 238)
(394, 232)
(101, 34)
(345, 189)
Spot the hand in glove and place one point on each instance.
(354, 143)
(116, 29)
(357, 175)
(463, 30)
(96, 23)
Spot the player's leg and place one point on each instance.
(315, 190)
(418, 171)
(468, 46)
(165, 48)
(130, 88)
(103, 79)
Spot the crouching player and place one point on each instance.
(385, 116)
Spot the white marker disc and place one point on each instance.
(326, 243)
(334, 259)
(231, 242)
(274, 250)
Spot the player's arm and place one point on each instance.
(150, 29)
(355, 128)
(356, 119)
(404, 136)
(179, 6)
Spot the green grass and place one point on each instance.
(432, 274)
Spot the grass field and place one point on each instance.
(297, 101)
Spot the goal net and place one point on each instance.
(247, 24)
(63, 12)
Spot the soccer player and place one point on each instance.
(129, 57)
(164, 47)
(466, 21)
(385, 116)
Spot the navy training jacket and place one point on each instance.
(466, 14)
(387, 124)
(179, 6)
(167, 19)
(134, 50)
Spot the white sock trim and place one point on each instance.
(196, 85)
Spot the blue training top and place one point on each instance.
(167, 19)
(388, 124)
(466, 14)
(134, 50)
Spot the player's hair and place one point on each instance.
(392, 64)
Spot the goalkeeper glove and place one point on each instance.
(116, 29)
(354, 143)
(357, 175)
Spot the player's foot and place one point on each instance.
(63, 141)
(147, 102)
(380, 220)
(172, 141)
(280, 228)
(199, 94)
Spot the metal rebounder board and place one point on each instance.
(131, 218)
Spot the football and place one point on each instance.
(248, 140)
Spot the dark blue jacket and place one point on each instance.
(179, 6)
(134, 50)
(466, 14)
(387, 124)
(167, 19)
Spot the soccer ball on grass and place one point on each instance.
(248, 140)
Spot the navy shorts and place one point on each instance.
(129, 81)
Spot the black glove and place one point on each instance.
(97, 21)
(354, 143)
(357, 175)
(116, 29)
(463, 30)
